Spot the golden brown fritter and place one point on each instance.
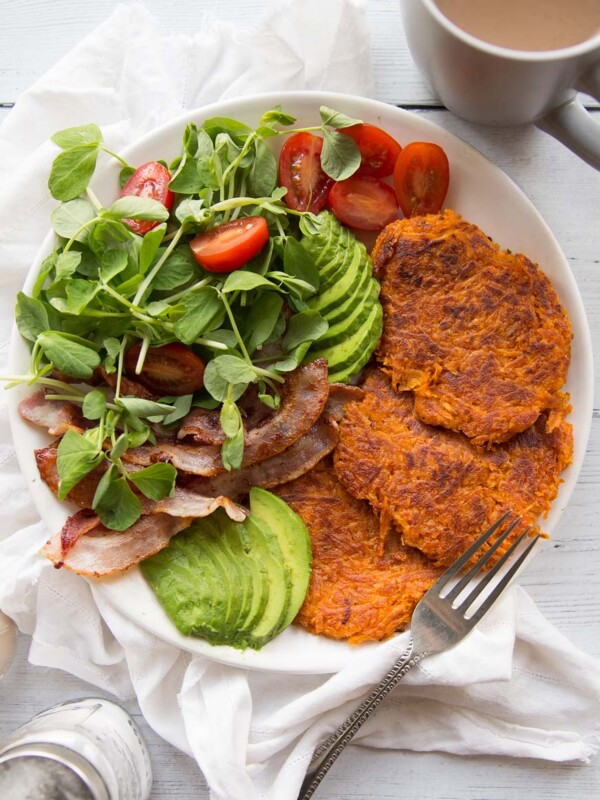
(438, 489)
(476, 332)
(356, 592)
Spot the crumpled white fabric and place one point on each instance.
(514, 687)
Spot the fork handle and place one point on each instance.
(327, 752)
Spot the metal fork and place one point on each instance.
(438, 623)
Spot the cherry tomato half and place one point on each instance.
(378, 150)
(172, 369)
(363, 202)
(150, 180)
(230, 245)
(300, 172)
(421, 178)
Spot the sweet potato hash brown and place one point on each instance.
(438, 489)
(476, 332)
(362, 587)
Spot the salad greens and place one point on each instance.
(104, 288)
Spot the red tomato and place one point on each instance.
(421, 178)
(150, 180)
(378, 150)
(230, 245)
(172, 369)
(300, 172)
(363, 202)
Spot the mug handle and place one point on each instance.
(572, 125)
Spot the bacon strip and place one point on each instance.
(83, 492)
(339, 395)
(191, 504)
(304, 399)
(97, 551)
(182, 504)
(75, 527)
(293, 462)
(202, 426)
(57, 416)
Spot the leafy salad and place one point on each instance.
(131, 291)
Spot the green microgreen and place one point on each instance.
(104, 288)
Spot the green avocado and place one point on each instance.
(231, 554)
(293, 538)
(252, 557)
(342, 310)
(187, 583)
(344, 358)
(326, 238)
(235, 583)
(229, 575)
(346, 327)
(326, 301)
(339, 262)
(279, 581)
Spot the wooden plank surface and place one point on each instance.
(36, 33)
(564, 580)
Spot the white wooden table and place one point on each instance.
(565, 578)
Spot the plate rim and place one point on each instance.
(260, 660)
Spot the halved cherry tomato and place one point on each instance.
(230, 245)
(363, 202)
(150, 180)
(172, 369)
(421, 178)
(378, 150)
(300, 172)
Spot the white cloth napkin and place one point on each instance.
(514, 687)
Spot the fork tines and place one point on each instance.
(489, 575)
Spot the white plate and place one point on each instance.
(481, 192)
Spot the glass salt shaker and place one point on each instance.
(87, 749)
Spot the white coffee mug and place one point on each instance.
(494, 85)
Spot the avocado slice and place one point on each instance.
(346, 327)
(342, 310)
(290, 531)
(279, 584)
(327, 241)
(231, 556)
(340, 241)
(345, 357)
(230, 576)
(188, 584)
(340, 261)
(256, 589)
(330, 298)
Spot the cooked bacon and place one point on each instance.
(191, 504)
(306, 393)
(202, 426)
(293, 462)
(182, 504)
(97, 551)
(302, 402)
(339, 395)
(83, 492)
(197, 459)
(75, 527)
(57, 416)
(129, 387)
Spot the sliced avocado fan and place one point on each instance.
(348, 297)
(235, 583)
